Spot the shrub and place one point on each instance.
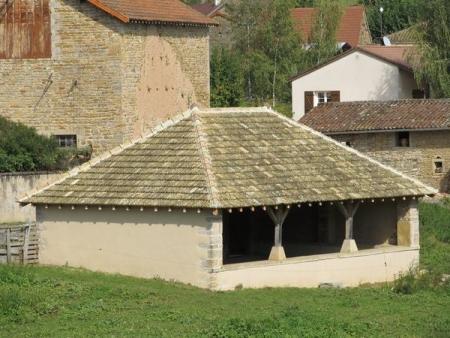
(23, 149)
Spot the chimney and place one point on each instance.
(217, 2)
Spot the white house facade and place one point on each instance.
(361, 74)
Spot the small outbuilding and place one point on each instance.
(232, 197)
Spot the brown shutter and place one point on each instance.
(309, 101)
(25, 31)
(336, 96)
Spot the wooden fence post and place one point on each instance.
(8, 245)
(25, 244)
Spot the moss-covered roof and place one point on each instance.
(225, 158)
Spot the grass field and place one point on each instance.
(65, 302)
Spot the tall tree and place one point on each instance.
(325, 24)
(226, 78)
(431, 56)
(265, 36)
(396, 15)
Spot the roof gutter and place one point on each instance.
(380, 131)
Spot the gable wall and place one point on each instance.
(176, 245)
(358, 77)
(415, 161)
(106, 81)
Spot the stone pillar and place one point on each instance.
(408, 223)
(214, 258)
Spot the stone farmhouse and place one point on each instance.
(412, 136)
(364, 73)
(353, 29)
(216, 11)
(98, 72)
(230, 197)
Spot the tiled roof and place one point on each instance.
(152, 11)
(341, 117)
(405, 36)
(396, 55)
(225, 158)
(207, 9)
(349, 30)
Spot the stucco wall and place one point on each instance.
(170, 245)
(12, 185)
(417, 160)
(106, 81)
(358, 77)
(368, 266)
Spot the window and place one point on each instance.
(67, 141)
(313, 99)
(322, 97)
(438, 165)
(402, 139)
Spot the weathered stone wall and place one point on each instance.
(417, 160)
(106, 81)
(221, 35)
(12, 185)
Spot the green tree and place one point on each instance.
(189, 2)
(396, 16)
(226, 78)
(431, 56)
(269, 47)
(325, 24)
(23, 149)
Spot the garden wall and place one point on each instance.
(14, 184)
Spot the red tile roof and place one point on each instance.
(343, 117)
(152, 11)
(207, 9)
(349, 30)
(396, 55)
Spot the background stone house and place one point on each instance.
(229, 197)
(216, 11)
(100, 72)
(364, 73)
(412, 136)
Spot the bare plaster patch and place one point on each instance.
(163, 88)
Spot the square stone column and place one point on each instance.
(408, 223)
(214, 250)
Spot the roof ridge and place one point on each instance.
(202, 146)
(370, 159)
(101, 157)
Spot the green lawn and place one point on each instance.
(65, 302)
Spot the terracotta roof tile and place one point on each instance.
(225, 158)
(342, 117)
(152, 11)
(349, 30)
(207, 9)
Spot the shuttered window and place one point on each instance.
(312, 99)
(25, 31)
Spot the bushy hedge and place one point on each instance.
(23, 149)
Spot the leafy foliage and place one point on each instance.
(23, 149)
(432, 55)
(396, 16)
(325, 23)
(226, 78)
